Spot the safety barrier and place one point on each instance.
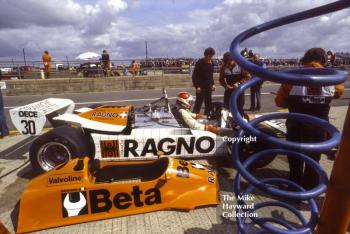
(302, 76)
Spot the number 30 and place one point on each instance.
(29, 127)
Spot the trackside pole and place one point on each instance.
(335, 214)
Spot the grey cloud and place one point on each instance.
(19, 14)
(72, 28)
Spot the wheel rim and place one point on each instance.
(52, 154)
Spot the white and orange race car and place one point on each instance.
(118, 132)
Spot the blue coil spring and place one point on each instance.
(302, 76)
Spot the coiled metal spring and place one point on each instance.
(302, 77)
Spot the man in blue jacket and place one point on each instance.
(203, 81)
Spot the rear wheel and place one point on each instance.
(59, 146)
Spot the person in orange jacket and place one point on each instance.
(47, 64)
(311, 100)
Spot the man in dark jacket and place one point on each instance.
(311, 100)
(105, 62)
(203, 81)
(255, 90)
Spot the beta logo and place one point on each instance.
(101, 200)
(74, 203)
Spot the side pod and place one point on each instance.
(84, 190)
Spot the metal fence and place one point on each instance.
(94, 68)
(91, 68)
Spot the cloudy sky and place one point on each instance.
(173, 28)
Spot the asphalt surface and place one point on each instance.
(16, 173)
(142, 97)
(14, 156)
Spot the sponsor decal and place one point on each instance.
(104, 114)
(314, 99)
(198, 166)
(123, 115)
(74, 203)
(102, 201)
(64, 179)
(109, 149)
(182, 170)
(211, 176)
(31, 114)
(169, 146)
(44, 106)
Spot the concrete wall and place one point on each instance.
(99, 84)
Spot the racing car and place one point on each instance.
(120, 132)
(85, 189)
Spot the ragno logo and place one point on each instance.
(74, 203)
(105, 114)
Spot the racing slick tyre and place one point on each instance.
(246, 150)
(58, 146)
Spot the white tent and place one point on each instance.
(88, 56)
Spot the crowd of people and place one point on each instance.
(297, 99)
(138, 67)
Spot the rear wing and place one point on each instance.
(30, 119)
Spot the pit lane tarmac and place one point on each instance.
(16, 172)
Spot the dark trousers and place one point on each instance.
(240, 101)
(300, 172)
(255, 95)
(227, 96)
(4, 131)
(204, 94)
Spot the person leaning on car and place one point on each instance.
(311, 100)
(203, 81)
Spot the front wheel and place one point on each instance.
(58, 146)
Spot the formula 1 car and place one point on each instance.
(118, 132)
(83, 190)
